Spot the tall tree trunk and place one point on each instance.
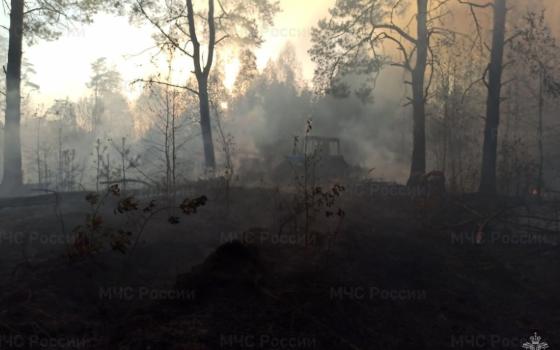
(490, 147)
(540, 179)
(13, 174)
(446, 128)
(205, 124)
(202, 72)
(418, 164)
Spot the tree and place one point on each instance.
(346, 45)
(182, 28)
(495, 69)
(537, 52)
(105, 112)
(453, 130)
(164, 102)
(248, 72)
(488, 184)
(32, 20)
(13, 172)
(103, 81)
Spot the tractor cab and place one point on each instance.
(323, 156)
(317, 145)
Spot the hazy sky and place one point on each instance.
(63, 66)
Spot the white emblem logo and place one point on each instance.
(535, 343)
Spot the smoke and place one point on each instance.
(373, 135)
(277, 106)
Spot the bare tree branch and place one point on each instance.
(397, 29)
(152, 81)
(163, 32)
(473, 4)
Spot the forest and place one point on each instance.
(273, 174)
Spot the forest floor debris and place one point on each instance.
(402, 274)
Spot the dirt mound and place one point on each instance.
(234, 266)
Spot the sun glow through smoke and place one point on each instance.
(231, 69)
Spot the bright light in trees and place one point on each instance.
(231, 69)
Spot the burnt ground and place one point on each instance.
(399, 273)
